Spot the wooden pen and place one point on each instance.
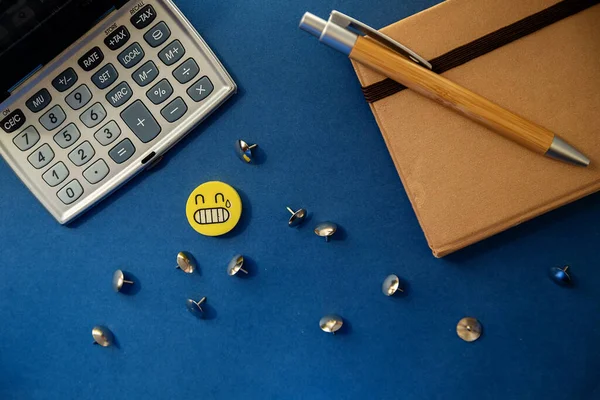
(390, 58)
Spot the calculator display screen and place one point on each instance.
(33, 32)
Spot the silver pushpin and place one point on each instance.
(331, 323)
(391, 285)
(194, 307)
(235, 265)
(297, 217)
(119, 281)
(102, 336)
(244, 151)
(186, 262)
(326, 230)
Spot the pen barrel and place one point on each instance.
(451, 95)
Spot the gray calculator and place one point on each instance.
(100, 90)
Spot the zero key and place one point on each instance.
(13, 121)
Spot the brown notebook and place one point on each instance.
(467, 183)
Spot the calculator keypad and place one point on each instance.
(160, 92)
(67, 136)
(145, 74)
(96, 172)
(93, 115)
(157, 35)
(56, 175)
(141, 122)
(131, 56)
(27, 138)
(41, 157)
(65, 80)
(39, 101)
(174, 110)
(108, 133)
(53, 118)
(103, 109)
(71, 192)
(105, 76)
(79, 97)
(82, 154)
(172, 53)
(186, 71)
(119, 95)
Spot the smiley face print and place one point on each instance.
(213, 208)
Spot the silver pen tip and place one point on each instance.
(312, 24)
(561, 150)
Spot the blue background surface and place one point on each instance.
(302, 103)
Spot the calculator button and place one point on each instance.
(140, 121)
(13, 121)
(105, 76)
(91, 59)
(143, 17)
(157, 35)
(67, 136)
(56, 175)
(131, 55)
(79, 97)
(160, 92)
(201, 89)
(93, 115)
(145, 74)
(174, 110)
(96, 172)
(119, 95)
(122, 152)
(117, 38)
(27, 138)
(71, 192)
(53, 118)
(41, 157)
(65, 80)
(186, 71)
(82, 154)
(108, 133)
(39, 101)
(172, 53)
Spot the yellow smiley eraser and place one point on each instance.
(213, 208)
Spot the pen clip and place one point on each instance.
(345, 21)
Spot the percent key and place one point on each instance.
(160, 92)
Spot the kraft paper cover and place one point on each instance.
(465, 182)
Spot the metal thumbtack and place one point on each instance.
(560, 276)
(102, 336)
(235, 265)
(186, 262)
(326, 230)
(331, 323)
(244, 151)
(119, 280)
(391, 285)
(194, 307)
(297, 217)
(468, 329)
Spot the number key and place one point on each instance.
(41, 157)
(79, 97)
(53, 118)
(108, 133)
(71, 192)
(67, 136)
(82, 154)
(56, 175)
(27, 139)
(93, 115)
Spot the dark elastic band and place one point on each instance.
(485, 44)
